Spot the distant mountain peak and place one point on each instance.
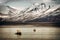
(31, 13)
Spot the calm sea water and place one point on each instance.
(27, 32)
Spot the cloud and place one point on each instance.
(3, 1)
(6, 1)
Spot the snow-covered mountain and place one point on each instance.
(51, 15)
(35, 12)
(41, 12)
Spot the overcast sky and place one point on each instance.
(26, 3)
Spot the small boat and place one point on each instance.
(18, 32)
